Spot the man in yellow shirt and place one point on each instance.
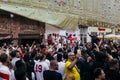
(70, 66)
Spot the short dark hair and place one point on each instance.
(41, 57)
(20, 74)
(13, 53)
(53, 63)
(60, 50)
(59, 57)
(112, 62)
(27, 57)
(3, 58)
(20, 64)
(97, 72)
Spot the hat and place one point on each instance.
(70, 53)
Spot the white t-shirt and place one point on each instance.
(59, 46)
(48, 62)
(33, 76)
(7, 51)
(61, 69)
(55, 56)
(14, 60)
(57, 39)
(5, 73)
(53, 39)
(39, 68)
(12, 74)
(0, 64)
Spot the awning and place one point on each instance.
(61, 20)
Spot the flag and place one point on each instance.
(7, 37)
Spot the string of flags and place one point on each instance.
(7, 37)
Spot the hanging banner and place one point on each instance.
(7, 37)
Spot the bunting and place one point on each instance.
(7, 37)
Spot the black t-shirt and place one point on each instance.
(112, 75)
(94, 39)
(52, 75)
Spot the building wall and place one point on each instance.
(20, 25)
(49, 29)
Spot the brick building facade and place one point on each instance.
(22, 28)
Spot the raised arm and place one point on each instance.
(70, 67)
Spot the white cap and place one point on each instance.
(70, 53)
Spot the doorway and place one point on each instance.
(7, 41)
(29, 39)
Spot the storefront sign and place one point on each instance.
(101, 29)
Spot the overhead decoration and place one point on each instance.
(67, 13)
(6, 37)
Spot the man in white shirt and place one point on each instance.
(15, 57)
(40, 67)
(61, 66)
(4, 70)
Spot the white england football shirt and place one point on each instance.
(39, 68)
(5, 73)
(61, 70)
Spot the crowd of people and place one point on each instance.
(55, 59)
